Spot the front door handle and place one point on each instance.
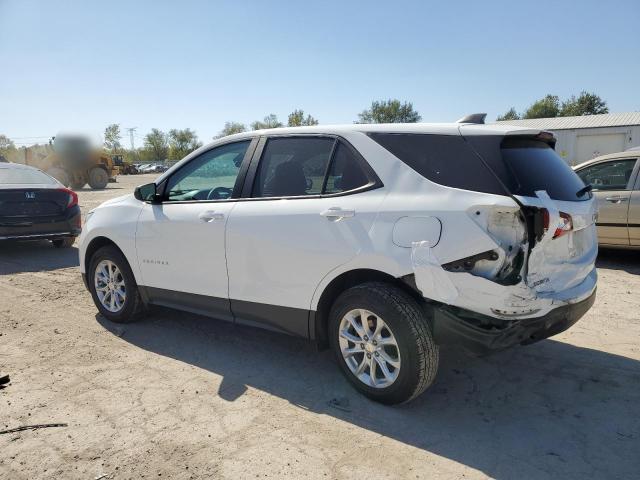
(616, 199)
(210, 216)
(337, 213)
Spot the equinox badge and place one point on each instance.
(30, 195)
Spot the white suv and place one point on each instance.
(382, 241)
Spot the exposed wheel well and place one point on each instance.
(351, 279)
(93, 247)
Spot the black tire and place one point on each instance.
(133, 306)
(98, 178)
(77, 185)
(66, 242)
(418, 351)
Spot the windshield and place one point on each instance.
(16, 176)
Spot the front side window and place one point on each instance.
(211, 176)
(614, 175)
(293, 166)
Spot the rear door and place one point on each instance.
(310, 202)
(612, 182)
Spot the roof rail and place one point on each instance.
(473, 118)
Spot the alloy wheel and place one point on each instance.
(110, 286)
(369, 348)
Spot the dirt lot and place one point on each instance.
(181, 396)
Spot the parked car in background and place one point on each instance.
(36, 206)
(615, 183)
(152, 168)
(382, 241)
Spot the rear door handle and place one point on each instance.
(616, 199)
(337, 213)
(210, 216)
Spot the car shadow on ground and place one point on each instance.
(36, 256)
(547, 410)
(619, 259)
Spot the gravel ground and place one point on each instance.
(181, 396)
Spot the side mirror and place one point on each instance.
(146, 193)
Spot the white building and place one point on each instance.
(589, 136)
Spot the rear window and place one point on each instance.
(445, 159)
(536, 166)
(27, 176)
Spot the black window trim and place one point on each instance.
(631, 184)
(237, 188)
(373, 183)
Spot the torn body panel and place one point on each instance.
(526, 274)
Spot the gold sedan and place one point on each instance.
(616, 185)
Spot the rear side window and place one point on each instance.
(15, 176)
(293, 166)
(536, 166)
(444, 159)
(346, 172)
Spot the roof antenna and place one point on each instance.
(473, 118)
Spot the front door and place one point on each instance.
(180, 242)
(612, 181)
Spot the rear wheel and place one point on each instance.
(98, 178)
(77, 185)
(113, 287)
(66, 242)
(383, 343)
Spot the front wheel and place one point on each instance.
(113, 286)
(98, 178)
(383, 343)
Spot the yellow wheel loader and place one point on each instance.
(73, 162)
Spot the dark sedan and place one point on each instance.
(35, 206)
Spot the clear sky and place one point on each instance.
(80, 65)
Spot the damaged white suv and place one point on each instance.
(382, 241)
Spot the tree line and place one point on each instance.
(549, 106)
(177, 143)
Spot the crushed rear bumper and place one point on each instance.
(481, 334)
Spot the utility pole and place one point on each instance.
(131, 131)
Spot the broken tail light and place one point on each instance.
(565, 226)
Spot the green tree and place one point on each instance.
(230, 128)
(112, 137)
(546, 107)
(297, 119)
(8, 149)
(510, 114)
(389, 111)
(585, 104)
(182, 143)
(270, 121)
(156, 146)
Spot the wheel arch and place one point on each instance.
(344, 281)
(94, 245)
